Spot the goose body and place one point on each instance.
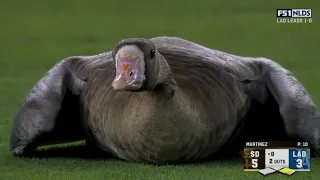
(181, 103)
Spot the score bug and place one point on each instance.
(284, 157)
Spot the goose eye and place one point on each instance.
(152, 53)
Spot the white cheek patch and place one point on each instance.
(131, 51)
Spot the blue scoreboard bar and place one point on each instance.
(299, 159)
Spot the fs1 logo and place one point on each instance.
(294, 13)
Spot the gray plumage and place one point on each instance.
(195, 102)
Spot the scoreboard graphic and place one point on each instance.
(277, 156)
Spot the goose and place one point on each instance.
(165, 100)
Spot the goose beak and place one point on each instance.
(129, 76)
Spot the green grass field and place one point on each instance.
(35, 35)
